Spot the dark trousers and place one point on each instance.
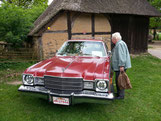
(120, 93)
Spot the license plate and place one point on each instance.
(61, 101)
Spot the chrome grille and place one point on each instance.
(63, 84)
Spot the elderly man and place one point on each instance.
(120, 60)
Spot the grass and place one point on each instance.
(10, 71)
(142, 102)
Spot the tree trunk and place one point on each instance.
(154, 33)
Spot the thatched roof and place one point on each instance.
(134, 7)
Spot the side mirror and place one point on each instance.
(109, 53)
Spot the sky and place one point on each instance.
(49, 2)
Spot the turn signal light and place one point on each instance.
(110, 80)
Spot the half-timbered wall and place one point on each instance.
(76, 25)
(73, 25)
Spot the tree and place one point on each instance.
(16, 22)
(155, 23)
(27, 3)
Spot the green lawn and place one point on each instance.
(142, 102)
(10, 71)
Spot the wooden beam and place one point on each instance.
(69, 25)
(40, 46)
(59, 31)
(109, 18)
(93, 24)
(90, 33)
(130, 33)
(102, 33)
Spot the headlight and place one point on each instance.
(28, 79)
(101, 86)
(88, 85)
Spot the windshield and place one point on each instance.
(82, 48)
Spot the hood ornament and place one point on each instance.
(63, 69)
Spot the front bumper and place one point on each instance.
(84, 96)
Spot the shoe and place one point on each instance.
(116, 94)
(119, 98)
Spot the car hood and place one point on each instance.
(88, 68)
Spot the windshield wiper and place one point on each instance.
(61, 53)
(86, 54)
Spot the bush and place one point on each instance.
(15, 65)
(16, 22)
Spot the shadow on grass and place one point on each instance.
(40, 107)
(42, 101)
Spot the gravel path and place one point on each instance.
(15, 83)
(155, 49)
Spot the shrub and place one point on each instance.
(16, 22)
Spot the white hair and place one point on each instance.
(116, 36)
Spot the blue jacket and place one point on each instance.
(120, 56)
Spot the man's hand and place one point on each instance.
(121, 68)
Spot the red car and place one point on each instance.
(79, 72)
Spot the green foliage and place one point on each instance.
(15, 65)
(16, 22)
(155, 22)
(27, 3)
